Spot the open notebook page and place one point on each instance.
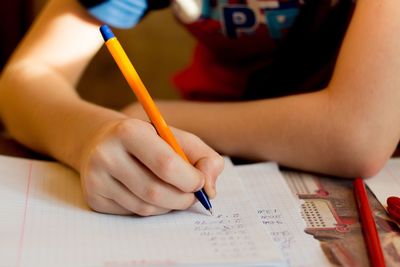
(280, 213)
(387, 182)
(45, 222)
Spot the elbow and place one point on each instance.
(369, 167)
(364, 153)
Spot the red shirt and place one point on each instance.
(246, 49)
(249, 48)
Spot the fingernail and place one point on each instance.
(211, 188)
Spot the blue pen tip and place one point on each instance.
(106, 32)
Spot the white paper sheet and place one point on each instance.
(279, 211)
(45, 222)
(387, 182)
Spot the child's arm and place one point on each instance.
(348, 129)
(125, 167)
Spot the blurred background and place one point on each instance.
(158, 47)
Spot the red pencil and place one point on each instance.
(368, 225)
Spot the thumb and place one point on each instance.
(211, 167)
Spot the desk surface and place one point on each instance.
(330, 213)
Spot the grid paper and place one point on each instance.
(279, 211)
(45, 222)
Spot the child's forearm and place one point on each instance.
(348, 129)
(38, 103)
(312, 132)
(40, 110)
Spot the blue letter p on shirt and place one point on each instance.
(238, 19)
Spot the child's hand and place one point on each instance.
(129, 169)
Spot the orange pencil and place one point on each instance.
(146, 101)
(368, 225)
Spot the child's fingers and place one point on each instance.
(141, 182)
(211, 167)
(203, 157)
(160, 158)
(132, 166)
(108, 195)
(105, 205)
(124, 204)
(127, 200)
(193, 146)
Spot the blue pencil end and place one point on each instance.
(106, 32)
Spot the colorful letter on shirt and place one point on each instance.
(279, 20)
(238, 18)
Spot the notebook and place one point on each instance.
(45, 222)
(280, 214)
